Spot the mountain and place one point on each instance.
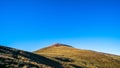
(14, 58)
(56, 56)
(71, 57)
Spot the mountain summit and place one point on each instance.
(59, 44)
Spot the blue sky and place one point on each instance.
(86, 24)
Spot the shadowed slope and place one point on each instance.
(13, 58)
(77, 58)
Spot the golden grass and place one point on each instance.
(81, 58)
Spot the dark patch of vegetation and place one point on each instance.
(75, 66)
(63, 59)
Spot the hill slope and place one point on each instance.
(71, 57)
(14, 58)
(56, 56)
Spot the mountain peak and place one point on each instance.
(59, 44)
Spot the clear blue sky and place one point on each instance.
(86, 24)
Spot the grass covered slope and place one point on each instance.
(71, 57)
(14, 58)
(56, 56)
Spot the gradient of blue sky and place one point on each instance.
(87, 24)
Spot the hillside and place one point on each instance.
(14, 58)
(56, 56)
(71, 57)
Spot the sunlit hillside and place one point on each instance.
(71, 57)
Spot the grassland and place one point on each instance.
(57, 56)
(71, 57)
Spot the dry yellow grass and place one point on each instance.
(79, 58)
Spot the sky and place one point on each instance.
(86, 24)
